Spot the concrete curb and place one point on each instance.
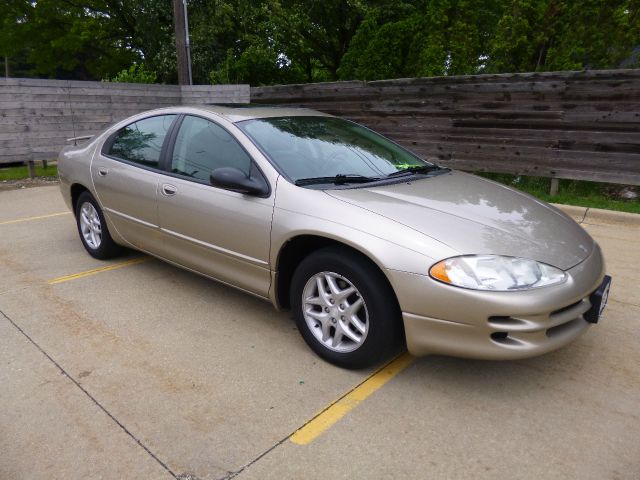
(598, 215)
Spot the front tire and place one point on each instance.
(93, 230)
(345, 308)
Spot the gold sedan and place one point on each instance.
(368, 244)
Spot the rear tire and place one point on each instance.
(345, 308)
(93, 230)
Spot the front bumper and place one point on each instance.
(447, 320)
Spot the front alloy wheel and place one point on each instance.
(335, 312)
(345, 308)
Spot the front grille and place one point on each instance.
(512, 330)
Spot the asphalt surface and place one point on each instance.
(146, 371)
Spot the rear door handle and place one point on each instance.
(102, 171)
(168, 189)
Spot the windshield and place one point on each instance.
(327, 147)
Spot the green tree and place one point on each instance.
(316, 34)
(450, 37)
(64, 41)
(87, 40)
(438, 37)
(290, 41)
(276, 41)
(546, 35)
(234, 42)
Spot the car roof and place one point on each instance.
(248, 111)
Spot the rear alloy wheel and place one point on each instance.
(90, 226)
(93, 228)
(345, 308)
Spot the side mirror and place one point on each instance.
(234, 179)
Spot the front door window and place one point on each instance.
(202, 146)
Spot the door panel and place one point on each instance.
(220, 233)
(128, 196)
(126, 181)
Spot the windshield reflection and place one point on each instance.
(308, 147)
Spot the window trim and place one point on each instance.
(173, 136)
(106, 146)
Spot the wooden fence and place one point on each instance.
(36, 115)
(580, 125)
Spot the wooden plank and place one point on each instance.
(36, 115)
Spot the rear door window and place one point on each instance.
(141, 142)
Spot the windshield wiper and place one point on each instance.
(339, 179)
(415, 169)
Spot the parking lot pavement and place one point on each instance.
(53, 429)
(148, 371)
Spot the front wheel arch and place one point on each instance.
(301, 246)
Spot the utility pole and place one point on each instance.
(182, 42)
(6, 66)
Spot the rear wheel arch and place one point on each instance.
(76, 191)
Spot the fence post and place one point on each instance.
(555, 185)
(31, 168)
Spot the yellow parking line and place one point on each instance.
(39, 217)
(338, 409)
(87, 273)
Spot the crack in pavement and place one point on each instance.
(91, 397)
(247, 465)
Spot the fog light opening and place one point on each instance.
(499, 336)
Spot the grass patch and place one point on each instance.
(571, 192)
(22, 172)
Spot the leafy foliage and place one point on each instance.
(548, 35)
(452, 37)
(134, 74)
(71, 42)
(266, 42)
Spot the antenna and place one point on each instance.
(73, 123)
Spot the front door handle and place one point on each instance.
(102, 171)
(168, 189)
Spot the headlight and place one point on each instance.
(496, 273)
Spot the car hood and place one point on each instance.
(477, 216)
